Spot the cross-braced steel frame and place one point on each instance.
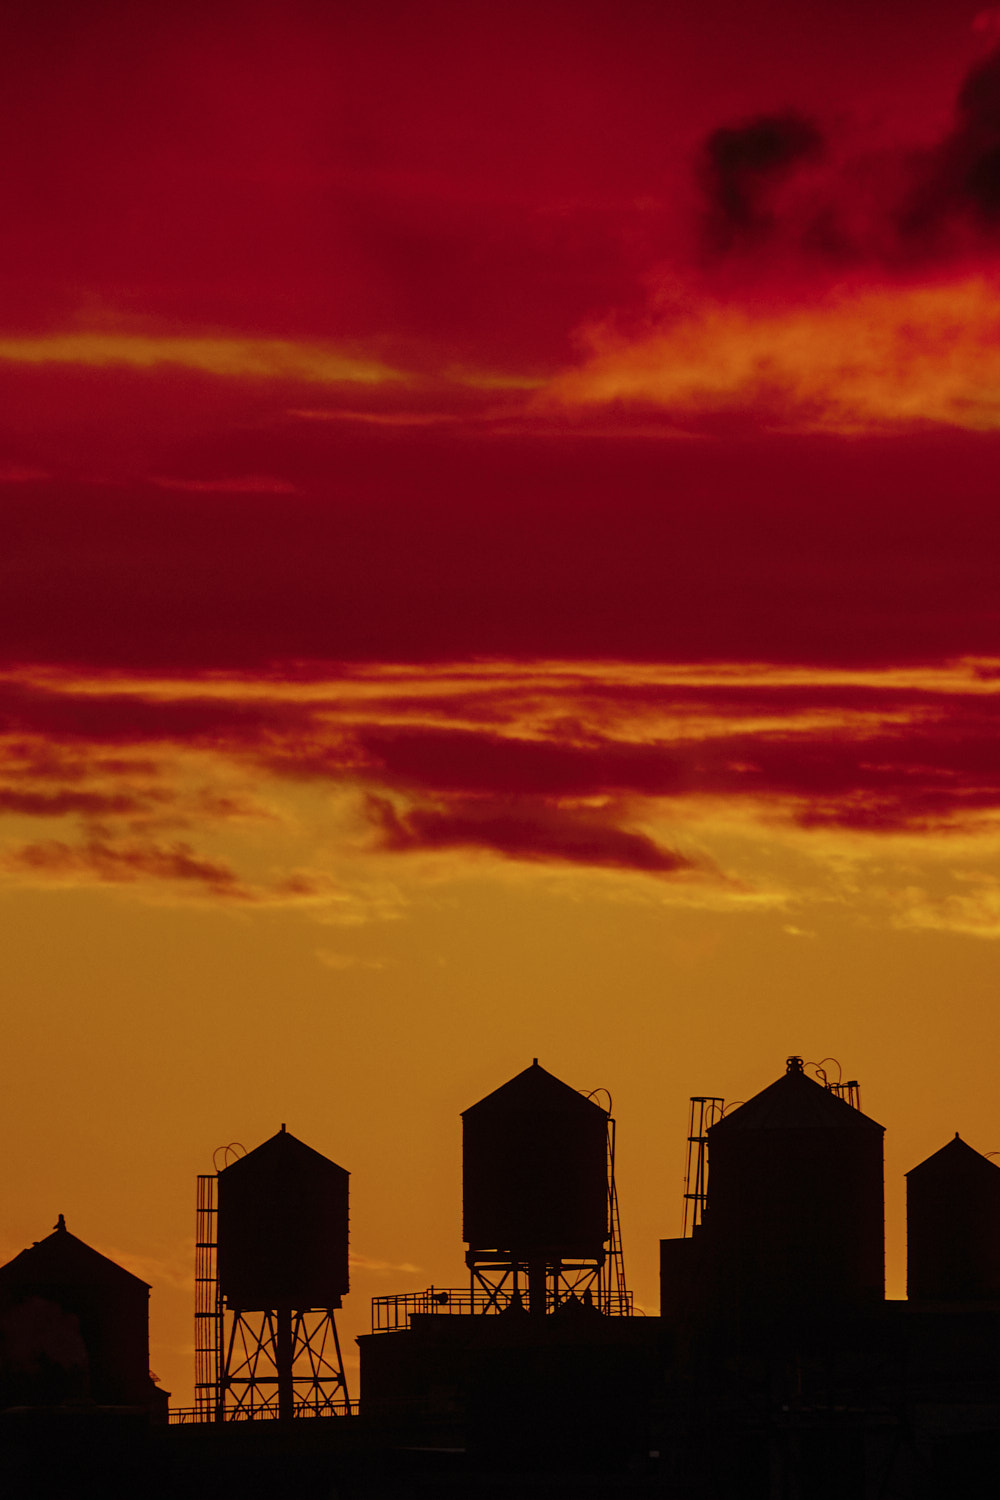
(501, 1281)
(614, 1294)
(282, 1362)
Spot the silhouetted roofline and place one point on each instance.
(283, 1145)
(955, 1158)
(795, 1102)
(60, 1249)
(535, 1089)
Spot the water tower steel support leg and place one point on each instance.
(340, 1362)
(224, 1385)
(284, 1362)
(537, 1287)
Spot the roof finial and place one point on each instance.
(60, 1222)
(793, 1065)
(534, 1062)
(282, 1127)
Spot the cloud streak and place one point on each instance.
(240, 358)
(67, 802)
(105, 863)
(282, 789)
(523, 831)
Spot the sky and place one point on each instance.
(499, 559)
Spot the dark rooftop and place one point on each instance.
(63, 1259)
(795, 1102)
(533, 1091)
(283, 1152)
(956, 1160)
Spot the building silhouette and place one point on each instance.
(74, 1327)
(776, 1368)
(953, 1227)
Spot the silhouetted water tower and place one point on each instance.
(795, 1214)
(281, 1273)
(537, 1191)
(953, 1227)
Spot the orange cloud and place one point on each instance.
(861, 358)
(972, 911)
(267, 358)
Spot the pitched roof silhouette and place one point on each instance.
(62, 1259)
(535, 1091)
(795, 1102)
(283, 1153)
(955, 1161)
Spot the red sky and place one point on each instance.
(499, 556)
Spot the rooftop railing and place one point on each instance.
(393, 1314)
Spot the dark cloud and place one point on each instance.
(523, 831)
(959, 181)
(36, 760)
(459, 761)
(776, 185)
(740, 166)
(118, 864)
(86, 804)
(935, 772)
(845, 763)
(975, 145)
(137, 719)
(918, 811)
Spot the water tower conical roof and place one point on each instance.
(955, 1161)
(534, 1091)
(795, 1102)
(280, 1154)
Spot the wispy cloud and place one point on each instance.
(59, 804)
(330, 958)
(972, 911)
(233, 358)
(382, 1267)
(256, 791)
(108, 863)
